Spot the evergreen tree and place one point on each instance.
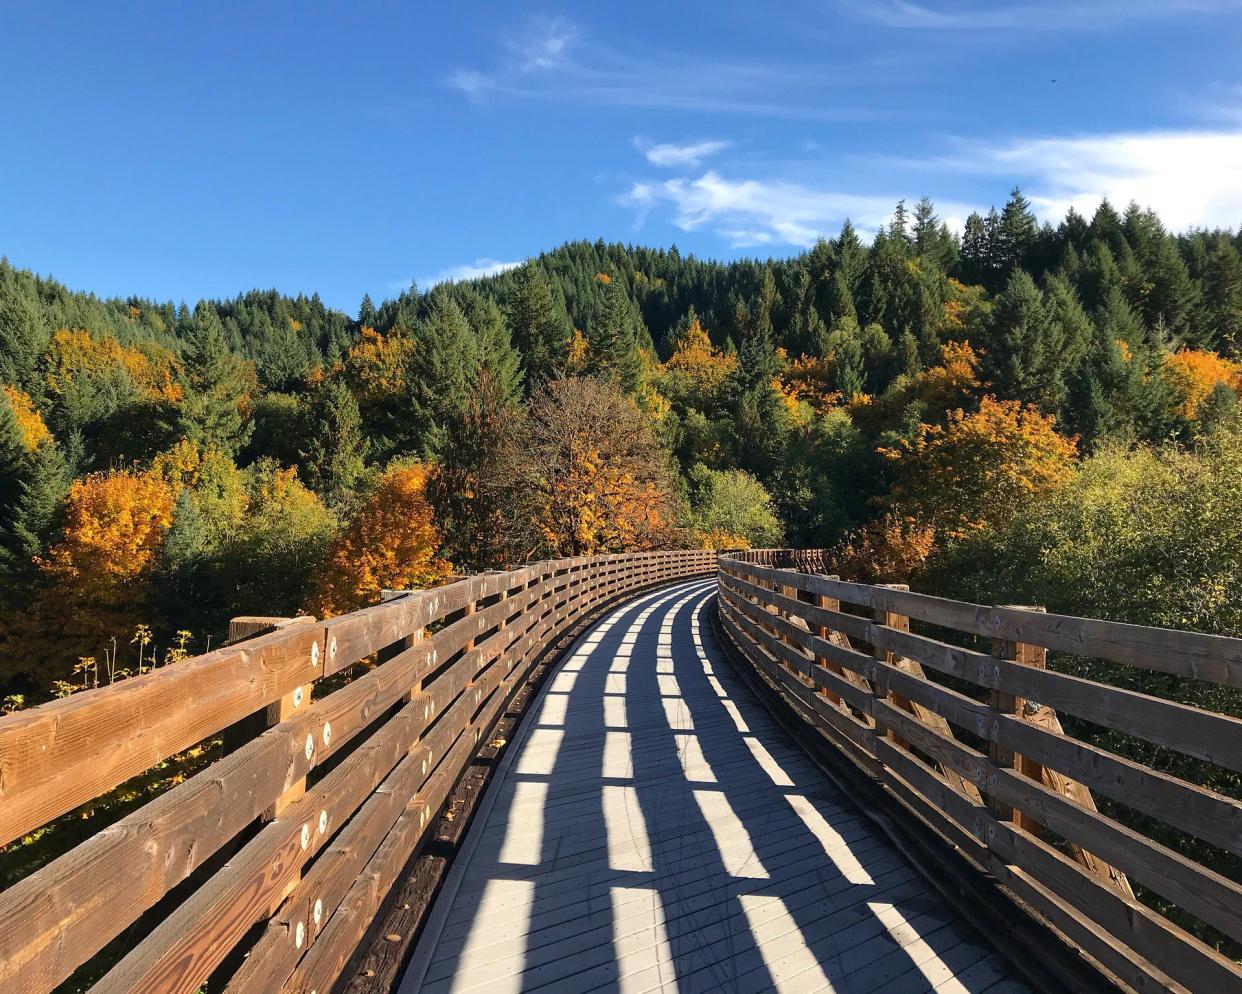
(495, 348)
(14, 457)
(933, 242)
(366, 312)
(1017, 232)
(847, 372)
(26, 528)
(439, 376)
(976, 252)
(539, 327)
(24, 332)
(467, 486)
(613, 338)
(1032, 341)
(214, 383)
(332, 459)
(1222, 300)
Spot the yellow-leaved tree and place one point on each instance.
(1195, 373)
(696, 371)
(978, 468)
(98, 568)
(391, 542)
(30, 424)
(586, 473)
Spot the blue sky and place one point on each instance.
(177, 151)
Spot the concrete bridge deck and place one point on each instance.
(653, 829)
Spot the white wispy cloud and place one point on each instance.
(1056, 15)
(1190, 178)
(688, 155)
(554, 60)
(750, 213)
(466, 271)
(545, 45)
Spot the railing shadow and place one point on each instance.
(657, 831)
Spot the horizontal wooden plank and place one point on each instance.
(1213, 658)
(1135, 933)
(1206, 735)
(804, 663)
(60, 755)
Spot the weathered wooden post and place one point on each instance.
(1002, 703)
(898, 622)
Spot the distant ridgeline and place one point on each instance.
(942, 409)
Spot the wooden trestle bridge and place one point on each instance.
(667, 771)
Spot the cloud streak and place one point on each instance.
(555, 61)
(1189, 177)
(466, 271)
(1065, 15)
(685, 155)
(752, 213)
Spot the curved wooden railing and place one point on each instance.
(273, 861)
(978, 753)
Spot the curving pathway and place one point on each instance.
(653, 829)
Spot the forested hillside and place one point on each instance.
(1030, 413)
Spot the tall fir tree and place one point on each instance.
(439, 375)
(334, 447)
(213, 379)
(495, 351)
(27, 526)
(538, 325)
(613, 338)
(467, 486)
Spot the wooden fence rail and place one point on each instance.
(979, 753)
(265, 870)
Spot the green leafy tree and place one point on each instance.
(733, 502)
(439, 376)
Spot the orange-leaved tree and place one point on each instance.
(947, 385)
(99, 566)
(891, 549)
(1195, 373)
(391, 542)
(978, 468)
(30, 427)
(585, 474)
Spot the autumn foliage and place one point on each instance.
(697, 369)
(390, 543)
(1195, 374)
(75, 355)
(978, 467)
(375, 365)
(892, 549)
(29, 422)
(587, 475)
(114, 525)
(954, 379)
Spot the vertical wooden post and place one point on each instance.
(1003, 703)
(824, 631)
(901, 623)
